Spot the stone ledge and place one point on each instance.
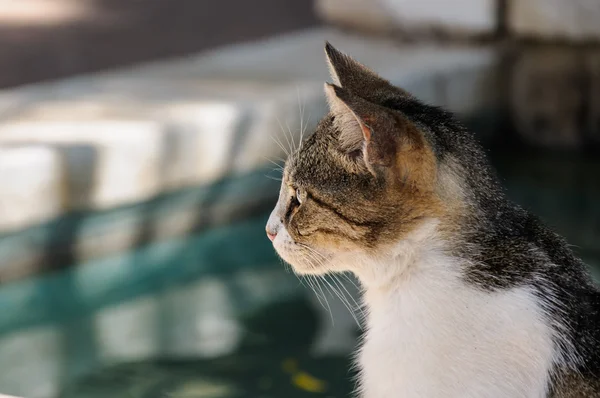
(31, 185)
(108, 162)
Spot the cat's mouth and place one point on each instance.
(304, 259)
(311, 261)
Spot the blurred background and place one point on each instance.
(139, 144)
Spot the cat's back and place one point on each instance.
(582, 379)
(566, 291)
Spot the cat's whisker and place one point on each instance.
(301, 109)
(278, 159)
(324, 259)
(287, 153)
(338, 292)
(316, 282)
(279, 141)
(343, 299)
(322, 263)
(276, 170)
(304, 130)
(312, 282)
(357, 287)
(357, 307)
(277, 166)
(310, 285)
(351, 281)
(292, 142)
(286, 266)
(273, 162)
(342, 286)
(289, 138)
(323, 295)
(320, 299)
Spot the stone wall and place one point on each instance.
(552, 86)
(413, 18)
(570, 20)
(574, 20)
(555, 96)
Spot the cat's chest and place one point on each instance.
(455, 342)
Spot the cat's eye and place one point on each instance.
(299, 195)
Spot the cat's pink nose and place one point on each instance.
(271, 235)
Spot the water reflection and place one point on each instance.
(270, 356)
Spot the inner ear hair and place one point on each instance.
(353, 130)
(380, 134)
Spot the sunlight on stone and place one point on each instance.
(40, 12)
(125, 165)
(204, 135)
(27, 173)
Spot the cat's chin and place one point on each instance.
(302, 267)
(309, 270)
(302, 264)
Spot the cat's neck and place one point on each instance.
(419, 252)
(429, 276)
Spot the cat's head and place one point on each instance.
(380, 168)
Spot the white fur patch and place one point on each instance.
(429, 334)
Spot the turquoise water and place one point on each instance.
(272, 361)
(206, 309)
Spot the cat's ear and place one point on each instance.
(368, 130)
(355, 77)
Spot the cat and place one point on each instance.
(466, 294)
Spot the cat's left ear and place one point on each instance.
(368, 130)
(357, 78)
